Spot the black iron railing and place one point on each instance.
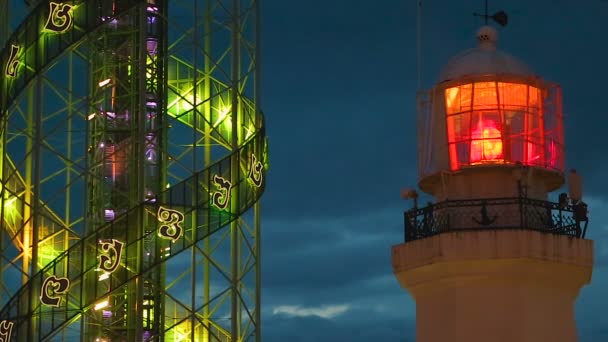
(494, 214)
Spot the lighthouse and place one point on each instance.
(495, 256)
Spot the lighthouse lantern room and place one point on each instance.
(490, 110)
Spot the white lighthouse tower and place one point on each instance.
(492, 259)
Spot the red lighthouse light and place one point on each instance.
(486, 142)
(500, 123)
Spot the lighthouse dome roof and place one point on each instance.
(485, 59)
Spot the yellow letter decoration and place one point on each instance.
(222, 197)
(255, 171)
(170, 223)
(13, 62)
(6, 330)
(59, 286)
(60, 17)
(105, 260)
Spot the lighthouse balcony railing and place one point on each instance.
(496, 213)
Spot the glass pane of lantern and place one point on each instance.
(458, 99)
(458, 131)
(485, 96)
(513, 135)
(466, 94)
(534, 133)
(553, 152)
(452, 100)
(465, 126)
(458, 127)
(512, 96)
(534, 98)
(534, 148)
(515, 121)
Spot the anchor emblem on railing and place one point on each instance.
(485, 219)
(6, 329)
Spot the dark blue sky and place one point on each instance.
(339, 84)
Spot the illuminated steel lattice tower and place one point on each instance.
(133, 160)
(492, 259)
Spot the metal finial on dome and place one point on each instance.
(487, 37)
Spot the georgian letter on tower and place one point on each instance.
(255, 171)
(52, 288)
(222, 197)
(13, 62)
(111, 254)
(60, 17)
(170, 223)
(6, 329)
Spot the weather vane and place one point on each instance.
(499, 17)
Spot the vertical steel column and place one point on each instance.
(207, 142)
(257, 206)
(28, 198)
(36, 205)
(234, 170)
(136, 291)
(4, 21)
(195, 199)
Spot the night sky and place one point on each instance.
(339, 83)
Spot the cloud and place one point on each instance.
(319, 254)
(328, 311)
(358, 326)
(330, 279)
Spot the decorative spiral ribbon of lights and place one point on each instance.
(133, 161)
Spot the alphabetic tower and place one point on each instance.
(492, 259)
(133, 158)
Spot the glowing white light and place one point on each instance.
(101, 305)
(223, 113)
(105, 82)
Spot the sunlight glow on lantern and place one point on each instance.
(502, 123)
